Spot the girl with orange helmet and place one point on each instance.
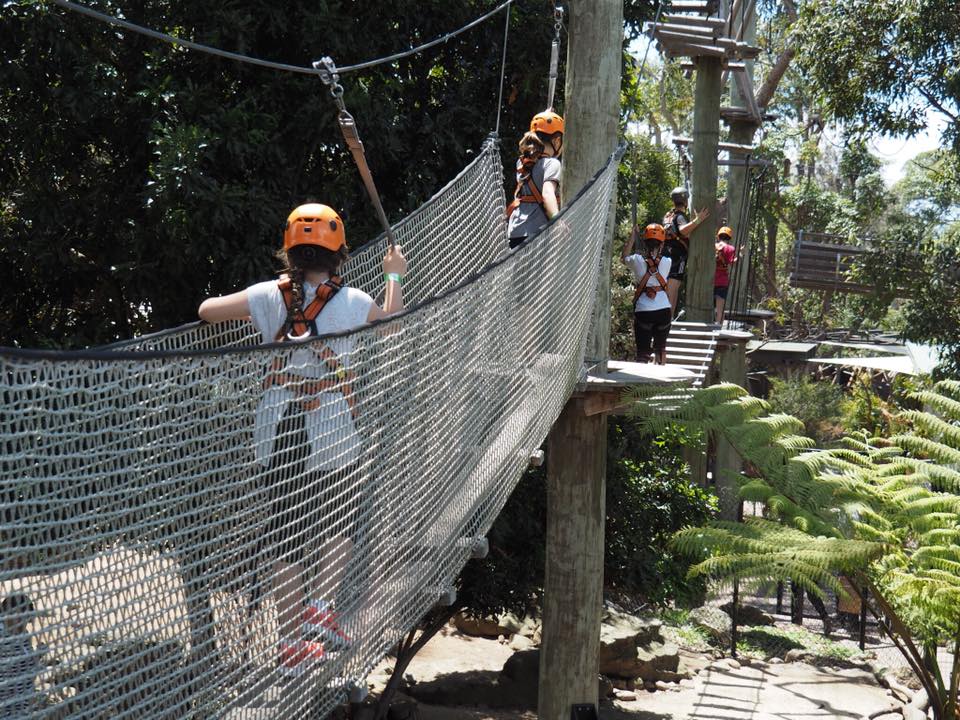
(305, 435)
(652, 312)
(537, 197)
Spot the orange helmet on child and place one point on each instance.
(547, 122)
(314, 224)
(654, 231)
(725, 231)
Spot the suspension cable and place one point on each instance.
(314, 70)
(554, 53)
(329, 74)
(503, 69)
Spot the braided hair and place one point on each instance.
(298, 261)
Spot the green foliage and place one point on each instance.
(882, 511)
(881, 65)
(763, 642)
(649, 497)
(815, 403)
(139, 178)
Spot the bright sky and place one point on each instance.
(896, 151)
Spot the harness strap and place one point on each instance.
(653, 270)
(304, 324)
(525, 178)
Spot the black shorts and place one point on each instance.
(516, 242)
(720, 292)
(308, 506)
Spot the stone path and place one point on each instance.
(792, 691)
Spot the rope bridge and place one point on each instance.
(137, 515)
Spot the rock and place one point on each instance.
(531, 627)
(748, 615)
(623, 683)
(520, 642)
(523, 667)
(632, 647)
(625, 695)
(477, 627)
(774, 661)
(649, 686)
(509, 624)
(733, 664)
(661, 685)
(673, 677)
(714, 621)
(502, 639)
(797, 655)
(606, 687)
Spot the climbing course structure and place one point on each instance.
(135, 507)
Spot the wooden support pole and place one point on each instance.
(592, 117)
(577, 444)
(706, 134)
(742, 130)
(573, 583)
(731, 368)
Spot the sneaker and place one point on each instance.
(320, 622)
(299, 656)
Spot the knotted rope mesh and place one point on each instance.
(149, 489)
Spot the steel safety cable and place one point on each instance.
(554, 53)
(503, 70)
(305, 70)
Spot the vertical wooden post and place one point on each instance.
(577, 445)
(592, 118)
(741, 132)
(731, 368)
(573, 583)
(706, 134)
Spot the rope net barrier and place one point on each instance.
(165, 499)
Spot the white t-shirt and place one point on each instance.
(638, 264)
(334, 441)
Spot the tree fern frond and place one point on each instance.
(933, 427)
(943, 404)
(924, 447)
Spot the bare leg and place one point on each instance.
(673, 291)
(288, 595)
(337, 553)
(720, 302)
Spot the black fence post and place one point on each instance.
(733, 617)
(863, 618)
(780, 598)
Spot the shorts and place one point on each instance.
(720, 292)
(308, 505)
(678, 268)
(516, 242)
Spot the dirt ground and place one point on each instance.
(723, 690)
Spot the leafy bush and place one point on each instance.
(815, 404)
(649, 497)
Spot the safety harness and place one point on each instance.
(304, 324)
(670, 223)
(722, 264)
(653, 270)
(525, 165)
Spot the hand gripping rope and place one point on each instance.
(554, 53)
(351, 136)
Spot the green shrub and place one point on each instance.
(815, 403)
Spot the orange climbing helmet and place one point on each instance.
(547, 122)
(314, 224)
(725, 231)
(654, 231)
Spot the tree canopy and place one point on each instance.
(140, 177)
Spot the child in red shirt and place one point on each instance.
(726, 257)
